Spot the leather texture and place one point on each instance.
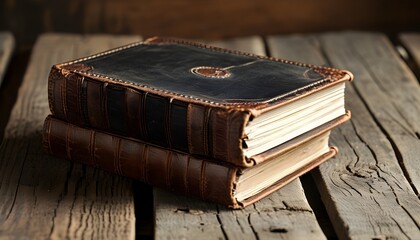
(147, 91)
(168, 66)
(185, 174)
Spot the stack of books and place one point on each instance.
(221, 125)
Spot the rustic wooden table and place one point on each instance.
(369, 191)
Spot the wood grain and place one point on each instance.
(395, 106)
(285, 214)
(7, 44)
(44, 197)
(364, 189)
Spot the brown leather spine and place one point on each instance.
(197, 129)
(219, 132)
(95, 105)
(131, 158)
(134, 100)
(212, 132)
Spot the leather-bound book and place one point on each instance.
(202, 100)
(200, 177)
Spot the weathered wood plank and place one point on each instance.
(44, 197)
(396, 102)
(411, 42)
(364, 188)
(7, 44)
(285, 214)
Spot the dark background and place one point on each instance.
(26, 19)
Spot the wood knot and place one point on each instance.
(277, 229)
(190, 211)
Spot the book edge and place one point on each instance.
(282, 182)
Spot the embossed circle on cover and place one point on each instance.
(211, 72)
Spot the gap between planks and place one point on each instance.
(364, 188)
(44, 197)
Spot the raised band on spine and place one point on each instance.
(197, 129)
(115, 104)
(94, 104)
(178, 125)
(156, 111)
(73, 98)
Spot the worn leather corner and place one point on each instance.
(76, 67)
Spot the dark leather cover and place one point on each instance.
(181, 95)
(183, 173)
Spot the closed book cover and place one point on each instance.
(200, 177)
(203, 100)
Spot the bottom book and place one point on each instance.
(208, 179)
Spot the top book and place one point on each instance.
(227, 105)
